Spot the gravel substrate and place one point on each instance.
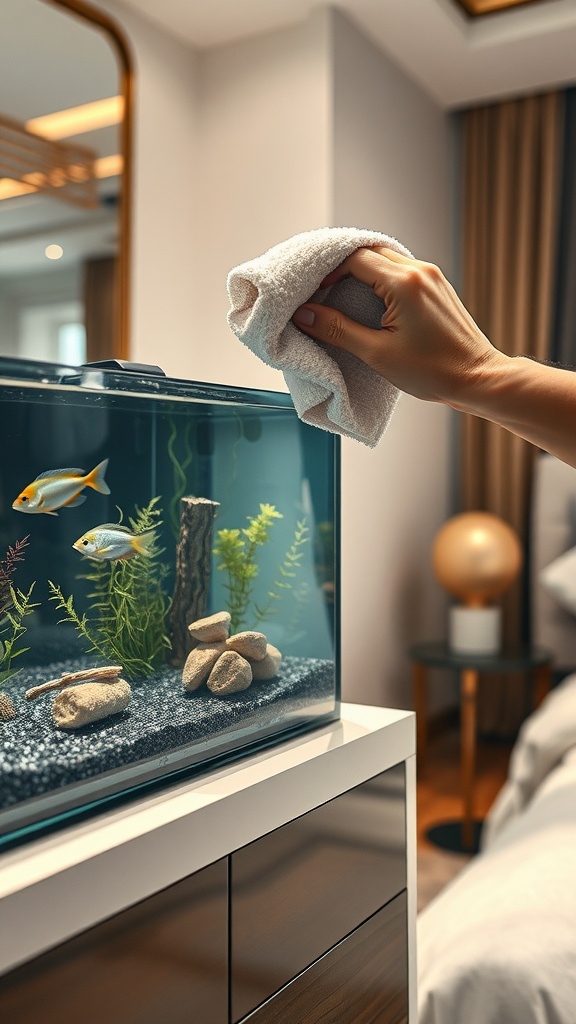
(37, 757)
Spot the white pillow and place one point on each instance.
(545, 738)
(559, 580)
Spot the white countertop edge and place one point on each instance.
(59, 885)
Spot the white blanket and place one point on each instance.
(544, 740)
(498, 946)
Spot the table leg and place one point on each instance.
(543, 681)
(419, 684)
(468, 693)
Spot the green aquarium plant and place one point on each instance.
(179, 432)
(237, 550)
(15, 606)
(127, 614)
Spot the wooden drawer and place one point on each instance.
(164, 960)
(298, 891)
(363, 980)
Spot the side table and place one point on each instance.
(535, 660)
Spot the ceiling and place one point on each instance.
(457, 60)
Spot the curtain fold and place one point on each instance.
(564, 346)
(511, 178)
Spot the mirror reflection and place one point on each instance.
(62, 169)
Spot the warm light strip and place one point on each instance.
(10, 188)
(63, 124)
(104, 167)
(108, 166)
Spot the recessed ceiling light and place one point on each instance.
(53, 252)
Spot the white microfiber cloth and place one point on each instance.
(330, 388)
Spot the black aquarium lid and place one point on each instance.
(127, 366)
(116, 375)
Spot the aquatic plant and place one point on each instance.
(15, 606)
(179, 467)
(238, 551)
(324, 552)
(126, 618)
(8, 565)
(247, 429)
(287, 572)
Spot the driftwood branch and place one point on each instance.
(106, 673)
(193, 563)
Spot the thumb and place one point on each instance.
(329, 325)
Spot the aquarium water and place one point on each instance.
(168, 583)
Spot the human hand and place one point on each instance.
(428, 346)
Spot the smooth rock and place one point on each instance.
(7, 709)
(249, 644)
(89, 702)
(211, 629)
(268, 666)
(199, 663)
(230, 674)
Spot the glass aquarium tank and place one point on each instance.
(168, 583)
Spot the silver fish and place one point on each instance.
(111, 542)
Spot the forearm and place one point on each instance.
(430, 346)
(531, 399)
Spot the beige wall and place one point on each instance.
(265, 133)
(392, 172)
(165, 214)
(241, 146)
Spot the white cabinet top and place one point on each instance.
(61, 884)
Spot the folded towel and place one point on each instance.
(330, 388)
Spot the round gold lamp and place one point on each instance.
(476, 557)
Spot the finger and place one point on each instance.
(375, 269)
(325, 324)
(359, 264)
(333, 276)
(393, 255)
(354, 264)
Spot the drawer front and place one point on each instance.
(363, 980)
(165, 959)
(298, 891)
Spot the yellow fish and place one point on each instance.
(110, 542)
(57, 488)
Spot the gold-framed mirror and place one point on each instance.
(66, 108)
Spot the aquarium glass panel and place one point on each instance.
(168, 583)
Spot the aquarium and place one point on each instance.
(168, 583)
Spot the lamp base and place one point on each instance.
(448, 836)
(474, 630)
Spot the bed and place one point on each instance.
(498, 945)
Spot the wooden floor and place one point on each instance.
(439, 800)
(438, 789)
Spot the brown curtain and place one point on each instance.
(564, 342)
(101, 298)
(511, 180)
